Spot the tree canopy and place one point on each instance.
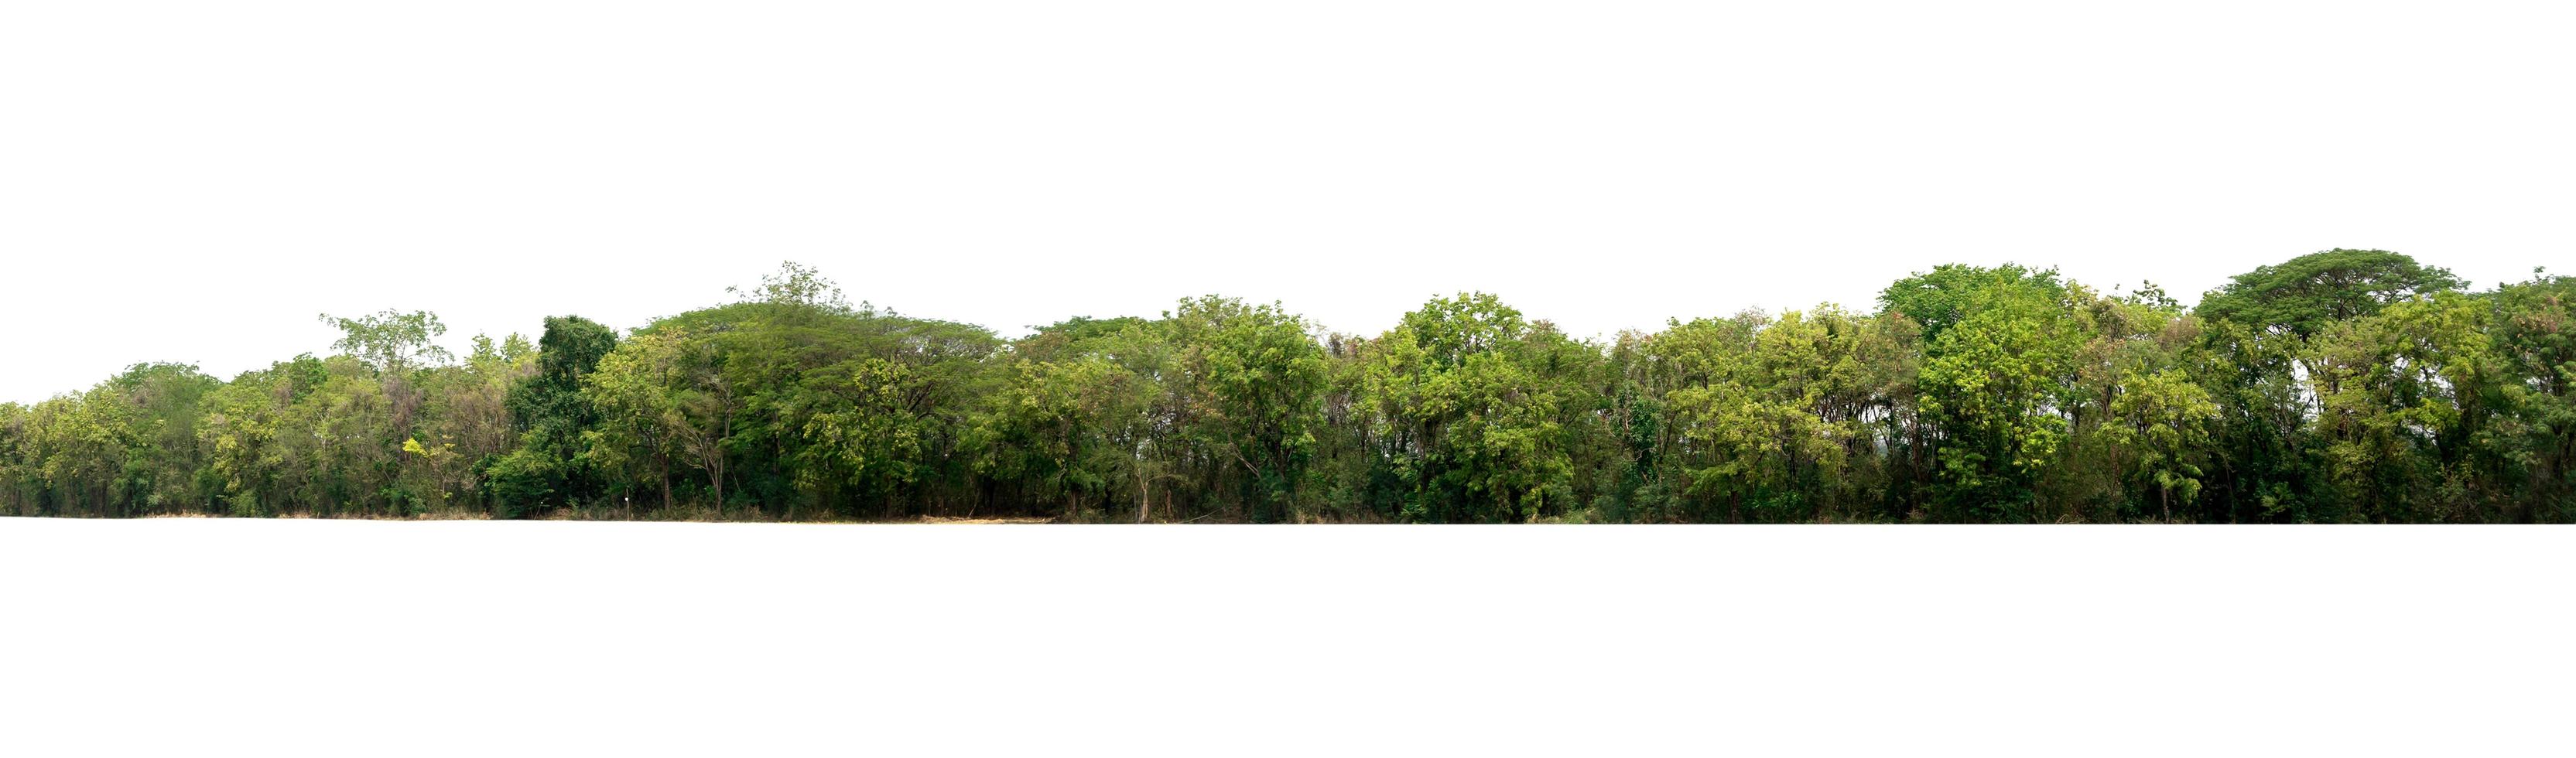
(2342, 386)
(2308, 294)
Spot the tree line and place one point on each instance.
(2342, 386)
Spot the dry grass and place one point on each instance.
(431, 516)
(947, 520)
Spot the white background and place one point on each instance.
(193, 181)
(335, 638)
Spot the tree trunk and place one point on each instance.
(715, 481)
(664, 471)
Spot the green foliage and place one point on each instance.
(2307, 294)
(1774, 423)
(878, 442)
(1949, 293)
(391, 341)
(2528, 444)
(1994, 384)
(551, 414)
(1467, 405)
(2345, 386)
(1245, 380)
(2400, 395)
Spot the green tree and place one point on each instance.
(1467, 419)
(2530, 443)
(552, 414)
(1251, 377)
(2401, 396)
(2164, 420)
(2307, 294)
(1951, 292)
(391, 341)
(1994, 385)
(1045, 430)
(20, 484)
(880, 442)
(1775, 423)
(663, 398)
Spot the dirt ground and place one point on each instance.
(566, 517)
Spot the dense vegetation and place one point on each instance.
(2344, 386)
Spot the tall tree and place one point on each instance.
(1250, 380)
(2305, 295)
(1471, 423)
(1995, 385)
(2402, 397)
(391, 341)
(663, 397)
(552, 415)
(2530, 445)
